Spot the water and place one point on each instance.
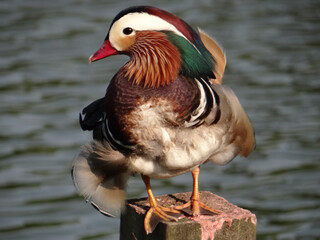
(273, 65)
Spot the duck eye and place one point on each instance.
(127, 30)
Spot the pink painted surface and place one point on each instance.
(210, 224)
(229, 212)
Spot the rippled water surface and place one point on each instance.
(45, 80)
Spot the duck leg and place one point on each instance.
(195, 207)
(157, 213)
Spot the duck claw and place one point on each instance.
(156, 214)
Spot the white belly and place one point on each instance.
(168, 150)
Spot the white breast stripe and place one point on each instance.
(203, 102)
(211, 92)
(214, 109)
(195, 118)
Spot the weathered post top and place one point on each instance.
(233, 223)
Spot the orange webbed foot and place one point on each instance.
(156, 214)
(196, 208)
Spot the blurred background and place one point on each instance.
(273, 53)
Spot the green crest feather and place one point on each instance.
(196, 62)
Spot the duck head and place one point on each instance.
(160, 46)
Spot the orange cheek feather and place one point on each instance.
(155, 61)
(126, 42)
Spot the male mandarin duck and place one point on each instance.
(164, 113)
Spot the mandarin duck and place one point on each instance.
(165, 112)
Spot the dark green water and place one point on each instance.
(273, 52)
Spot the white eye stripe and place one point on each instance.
(145, 21)
(140, 22)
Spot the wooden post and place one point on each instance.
(233, 223)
